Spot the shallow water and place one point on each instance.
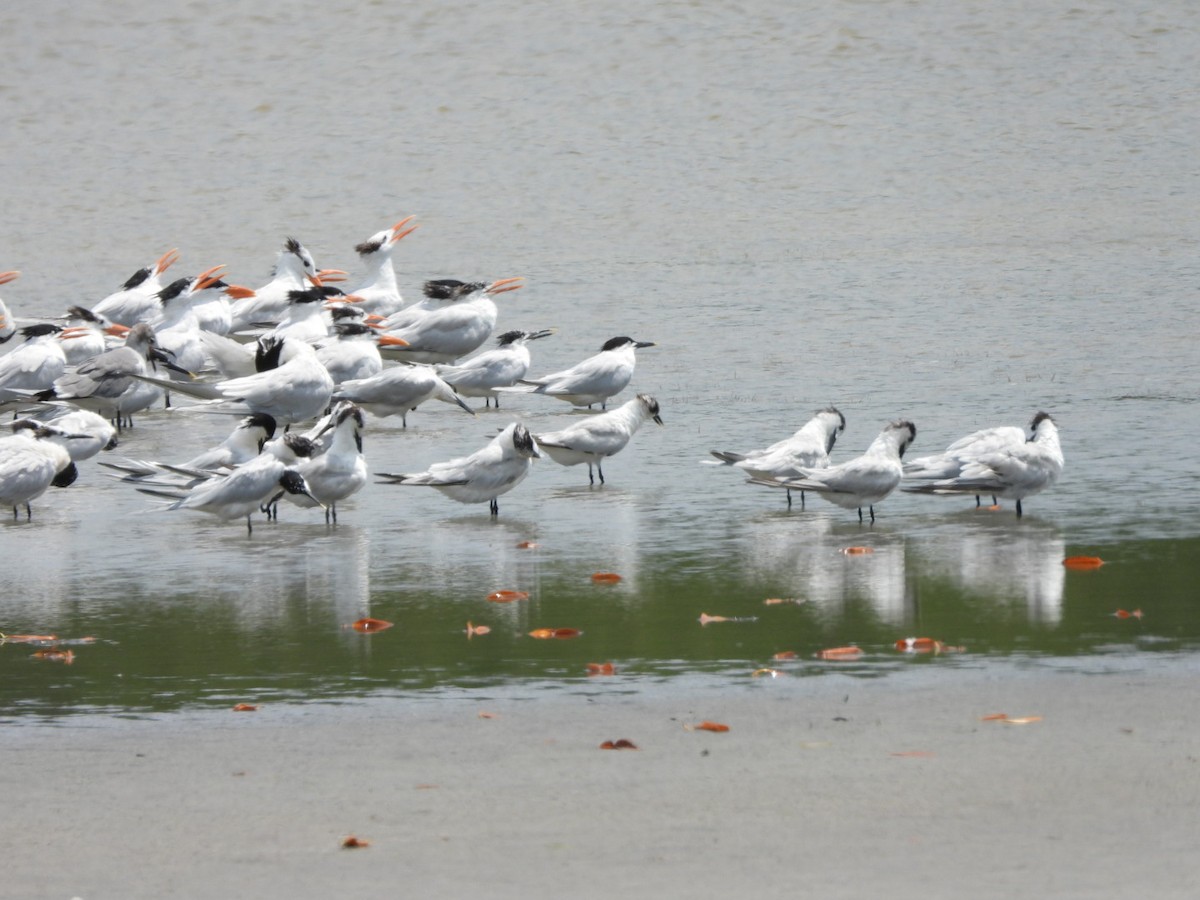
(957, 214)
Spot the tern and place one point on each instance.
(593, 439)
(352, 351)
(808, 448)
(291, 385)
(34, 364)
(89, 432)
(137, 299)
(86, 334)
(443, 335)
(595, 379)
(379, 293)
(487, 473)
(1012, 470)
(951, 461)
(502, 367)
(399, 389)
(243, 444)
(8, 327)
(337, 472)
(294, 271)
(862, 481)
(32, 459)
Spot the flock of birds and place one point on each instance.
(300, 350)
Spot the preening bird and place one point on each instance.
(32, 458)
(605, 434)
(484, 475)
(1009, 469)
(862, 481)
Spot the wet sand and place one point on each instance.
(830, 786)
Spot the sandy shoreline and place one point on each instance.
(823, 786)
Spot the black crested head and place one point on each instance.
(39, 329)
(291, 245)
(300, 445)
(265, 421)
(266, 357)
(617, 343)
(523, 441)
(907, 439)
(293, 482)
(331, 290)
(509, 337)
(837, 412)
(1039, 419)
(352, 329)
(82, 312)
(308, 295)
(366, 248)
(651, 406)
(136, 278)
(451, 289)
(173, 290)
(345, 312)
(30, 425)
(66, 477)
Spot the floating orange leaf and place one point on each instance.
(857, 551)
(914, 754)
(1128, 614)
(919, 645)
(354, 843)
(548, 633)
(776, 601)
(473, 630)
(601, 669)
(785, 654)
(527, 545)
(245, 707)
(483, 714)
(27, 638)
(1083, 562)
(706, 619)
(993, 717)
(1009, 720)
(53, 654)
(708, 726)
(369, 625)
(605, 577)
(619, 744)
(507, 596)
(839, 653)
(758, 673)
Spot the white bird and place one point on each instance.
(8, 326)
(176, 328)
(808, 448)
(243, 444)
(86, 334)
(89, 432)
(593, 439)
(137, 300)
(443, 335)
(595, 379)
(951, 461)
(34, 364)
(240, 493)
(379, 293)
(352, 351)
(291, 385)
(32, 459)
(398, 390)
(340, 470)
(862, 481)
(110, 384)
(294, 270)
(502, 367)
(487, 473)
(1011, 470)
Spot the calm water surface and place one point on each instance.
(955, 213)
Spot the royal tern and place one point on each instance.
(808, 448)
(291, 385)
(34, 364)
(32, 459)
(86, 334)
(605, 434)
(595, 379)
(398, 390)
(240, 493)
(294, 271)
(1012, 470)
(8, 327)
(379, 293)
(445, 334)
(109, 384)
(176, 329)
(352, 351)
(89, 433)
(137, 300)
(862, 481)
(487, 473)
(502, 367)
(340, 470)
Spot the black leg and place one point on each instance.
(872, 508)
(789, 497)
(249, 526)
(860, 515)
(494, 507)
(802, 499)
(1019, 510)
(591, 477)
(600, 472)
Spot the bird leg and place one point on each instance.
(600, 471)
(789, 497)
(494, 507)
(1019, 511)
